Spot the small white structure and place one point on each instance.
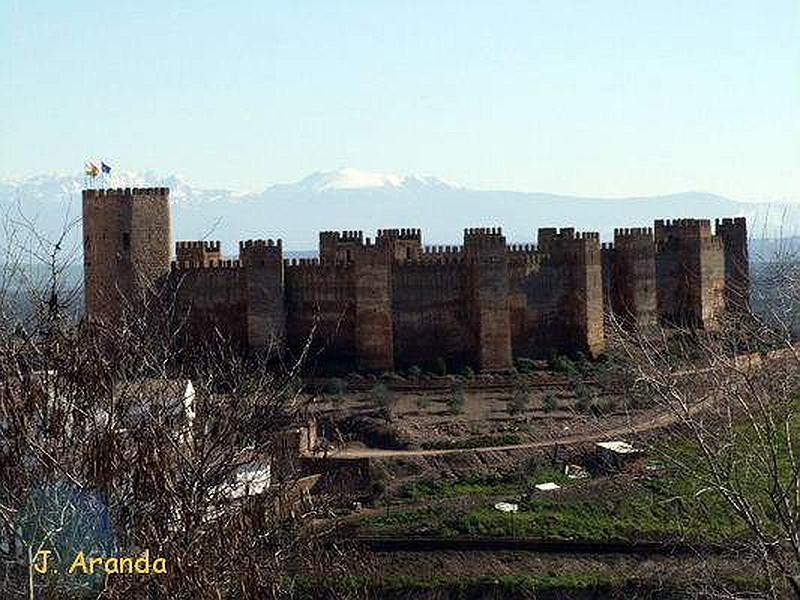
(507, 507)
(618, 447)
(613, 454)
(548, 486)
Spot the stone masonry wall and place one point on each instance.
(377, 305)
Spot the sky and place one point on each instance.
(601, 98)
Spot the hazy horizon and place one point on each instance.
(132, 178)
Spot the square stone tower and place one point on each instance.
(127, 242)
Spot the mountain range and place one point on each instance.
(353, 199)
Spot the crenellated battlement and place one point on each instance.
(249, 245)
(552, 233)
(629, 247)
(549, 239)
(428, 251)
(484, 238)
(727, 222)
(191, 265)
(314, 264)
(635, 241)
(301, 262)
(204, 245)
(158, 192)
(666, 229)
(455, 258)
(199, 251)
(731, 227)
(682, 223)
(341, 236)
(400, 234)
(471, 233)
(521, 248)
(634, 232)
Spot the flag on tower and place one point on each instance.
(92, 170)
(106, 168)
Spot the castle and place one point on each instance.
(390, 302)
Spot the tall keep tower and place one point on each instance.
(485, 248)
(632, 292)
(126, 247)
(263, 288)
(733, 233)
(690, 273)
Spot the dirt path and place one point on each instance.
(659, 421)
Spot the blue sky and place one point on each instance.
(599, 97)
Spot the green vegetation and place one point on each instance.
(415, 372)
(468, 373)
(381, 396)
(668, 507)
(525, 365)
(512, 587)
(520, 401)
(642, 514)
(423, 402)
(608, 405)
(585, 400)
(481, 485)
(456, 400)
(565, 366)
(550, 403)
(649, 511)
(580, 366)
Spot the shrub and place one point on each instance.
(525, 365)
(584, 398)
(550, 403)
(519, 402)
(456, 400)
(562, 364)
(415, 371)
(380, 395)
(468, 373)
(608, 405)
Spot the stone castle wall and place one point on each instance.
(388, 302)
(430, 311)
(630, 276)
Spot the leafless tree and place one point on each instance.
(115, 442)
(731, 392)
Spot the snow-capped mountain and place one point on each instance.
(354, 179)
(353, 199)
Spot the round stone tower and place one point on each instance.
(126, 248)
